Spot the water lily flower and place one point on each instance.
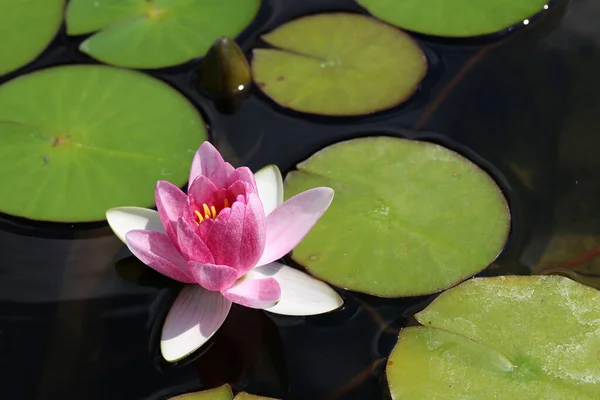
(223, 238)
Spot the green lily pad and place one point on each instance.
(27, 29)
(77, 140)
(458, 18)
(221, 393)
(246, 396)
(500, 338)
(409, 218)
(156, 33)
(338, 64)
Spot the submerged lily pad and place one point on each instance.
(502, 338)
(458, 18)
(155, 33)
(77, 140)
(27, 29)
(338, 64)
(409, 218)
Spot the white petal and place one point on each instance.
(194, 317)
(125, 219)
(301, 294)
(270, 187)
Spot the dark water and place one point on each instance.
(79, 317)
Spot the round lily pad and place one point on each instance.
(338, 64)
(155, 33)
(27, 28)
(501, 338)
(77, 140)
(408, 218)
(457, 18)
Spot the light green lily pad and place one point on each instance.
(77, 140)
(27, 28)
(457, 18)
(338, 64)
(221, 393)
(534, 337)
(156, 33)
(246, 396)
(408, 218)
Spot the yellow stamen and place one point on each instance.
(206, 211)
(200, 218)
(213, 210)
(226, 202)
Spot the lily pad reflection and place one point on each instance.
(503, 338)
(409, 218)
(338, 64)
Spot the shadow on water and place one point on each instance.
(78, 315)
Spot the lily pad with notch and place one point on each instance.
(505, 337)
(457, 18)
(409, 218)
(28, 27)
(77, 140)
(338, 64)
(155, 33)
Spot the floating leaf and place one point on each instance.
(155, 33)
(221, 393)
(77, 140)
(509, 337)
(459, 18)
(27, 29)
(246, 396)
(338, 64)
(409, 218)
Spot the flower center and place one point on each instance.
(209, 211)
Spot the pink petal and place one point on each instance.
(223, 175)
(191, 245)
(254, 293)
(212, 276)
(245, 175)
(170, 203)
(237, 236)
(224, 238)
(156, 250)
(253, 234)
(202, 190)
(289, 223)
(193, 318)
(206, 161)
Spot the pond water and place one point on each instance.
(78, 312)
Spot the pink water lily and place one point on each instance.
(223, 239)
